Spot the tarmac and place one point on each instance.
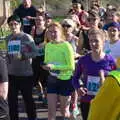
(41, 109)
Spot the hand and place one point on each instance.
(82, 91)
(29, 17)
(47, 67)
(4, 90)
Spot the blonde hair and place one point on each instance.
(58, 25)
(99, 32)
(69, 21)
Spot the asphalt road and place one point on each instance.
(41, 109)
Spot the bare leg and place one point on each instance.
(52, 99)
(65, 104)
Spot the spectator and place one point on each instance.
(26, 11)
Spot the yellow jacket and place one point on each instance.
(106, 104)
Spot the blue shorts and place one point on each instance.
(59, 87)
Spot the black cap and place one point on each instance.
(48, 16)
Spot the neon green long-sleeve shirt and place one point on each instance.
(62, 57)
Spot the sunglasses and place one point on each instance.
(66, 25)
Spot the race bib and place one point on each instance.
(26, 22)
(93, 84)
(14, 47)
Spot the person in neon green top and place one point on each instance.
(59, 61)
(61, 57)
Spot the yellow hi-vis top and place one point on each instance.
(106, 104)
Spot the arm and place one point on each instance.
(80, 43)
(33, 31)
(4, 79)
(29, 49)
(112, 63)
(77, 75)
(102, 77)
(77, 82)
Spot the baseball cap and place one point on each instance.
(48, 16)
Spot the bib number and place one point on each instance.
(14, 47)
(93, 85)
(26, 22)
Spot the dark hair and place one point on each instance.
(14, 18)
(94, 13)
(75, 1)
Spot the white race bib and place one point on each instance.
(93, 84)
(26, 22)
(14, 47)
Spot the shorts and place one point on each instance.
(59, 87)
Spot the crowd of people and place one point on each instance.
(67, 60)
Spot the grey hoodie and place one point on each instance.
(20, 64)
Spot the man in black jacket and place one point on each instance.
(27, 12)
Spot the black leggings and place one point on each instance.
(4, 111)
(39, 73)
(25, 85)
(85, 109)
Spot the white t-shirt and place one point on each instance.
(113, 49)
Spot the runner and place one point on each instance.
(69, 26)
(40, 75)
(59, 61)
(21, 49)
(81, 13)
(91, 69)
(112, 46)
